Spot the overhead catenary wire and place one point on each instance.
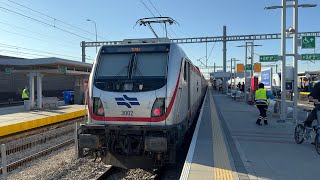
(55, 19)
(152, 14)
(17, 55)
(25, 53)
(23, 48)
(24, 11)
(212, 49)
(21, 35)
(33, 54)
(17, 52)
(30, 37)
(42, 22)
(44, 35)
(154, 7)
(163, 26)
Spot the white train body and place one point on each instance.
(142, 100)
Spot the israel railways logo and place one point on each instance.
(127, 101)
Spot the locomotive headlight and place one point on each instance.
(97, 107)
(158, 108)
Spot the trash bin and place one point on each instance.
(27, 105)
(68, 97)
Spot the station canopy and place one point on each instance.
(51, 65)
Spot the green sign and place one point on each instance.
(310, 56)
(249, 67)
(8, 71)
(269, 58)
(63, 70)
(308, 42)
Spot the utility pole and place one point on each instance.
(252, 49)
(225, 87)
(231, 75)
(83, 47)
(245, 73)
(295, 62)
(206, 54)
(283, 115)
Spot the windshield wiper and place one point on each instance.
(121, 71)
(130, 70)
(135, 67)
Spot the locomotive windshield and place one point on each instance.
(132, 71)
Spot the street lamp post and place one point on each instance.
(283, 116)
(95, 27)
(295, 55)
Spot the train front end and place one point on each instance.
(128, 106)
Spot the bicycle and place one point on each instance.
(302, 133)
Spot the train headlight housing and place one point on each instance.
(158, 108)
(97, 106)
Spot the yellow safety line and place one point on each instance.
(222, 168)
(26, 125)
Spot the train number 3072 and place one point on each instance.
(126, 113)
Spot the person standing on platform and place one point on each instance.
(262, 101)
(242, 87)
(25, 93)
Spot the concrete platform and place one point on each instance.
(227, 144)
(16, 119)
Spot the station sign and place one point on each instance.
(63, 69)
(8, 71)
(308, 42)
(221, 75)
(257, 67)
(249, 67)
(269, 58)
(266, 77)
(289, 85)
(240, 68)
(310, 56)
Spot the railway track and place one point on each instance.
(38, 143)
(16, 148)
(15, 165)
(39, 130)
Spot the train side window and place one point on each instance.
(185, 71)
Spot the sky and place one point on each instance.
(37, 28)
